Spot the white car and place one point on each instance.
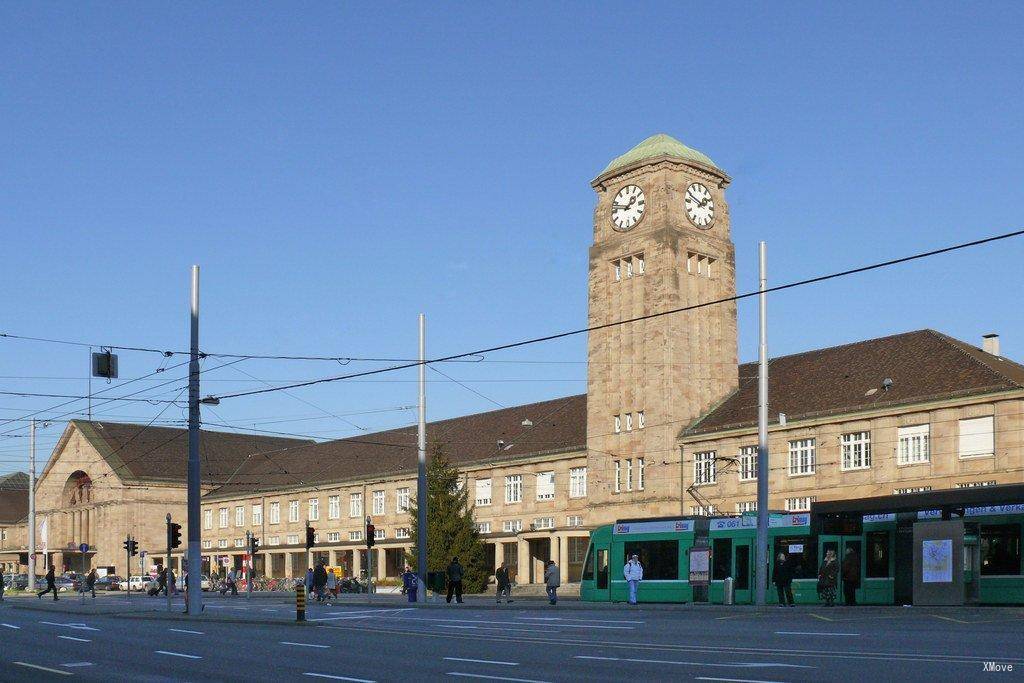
(138, 583)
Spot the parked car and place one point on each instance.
(204, 584)
(63, 584)
(110, 582)
(138, 583)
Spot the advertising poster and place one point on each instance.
(937, 561)
(700, 566)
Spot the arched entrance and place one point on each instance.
(77, 501)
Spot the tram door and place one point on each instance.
(839, 545)
(743, 568)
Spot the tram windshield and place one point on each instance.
(660, 559)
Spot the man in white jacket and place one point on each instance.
(633, 572)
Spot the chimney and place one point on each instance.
(990, 343)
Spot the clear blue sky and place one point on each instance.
(336, 170)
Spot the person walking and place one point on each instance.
(319, 581)
(1, 583)
(332, 585)
(455, 573)
(309, 583)
(50, 585)
(633, 572)
(161, 581)
(171, 582)
(90, 583)
(828, 575)
(782, 577)
(232, 586)
(851, 577)
(504, 582)
(552, 580)
(410, 583)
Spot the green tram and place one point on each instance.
(991, 554)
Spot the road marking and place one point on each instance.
(17, 628)
(73, 664)
(76, 626)
(481, 661)
(723, 664)
(600, 621)
(43, 668)
(489, 628)
(949, 619)
(177, 654)
(362, 613)
(185, 630)
(733, 680)
(812, 633)
(818, 616)
(494, 678)
(80, 640)
(488, 621)
(338, 678)
(285, 642)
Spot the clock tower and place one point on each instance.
(661, 242)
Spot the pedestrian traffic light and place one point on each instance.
(310, 537)
(175, 532)
(370, 535)
(254, 545)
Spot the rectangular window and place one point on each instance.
(222, 543)
(911, 489)
(629, 267)
(748, 463)
(973, 484)
(578, 482)
(629, 422)
(800, 504)
(703, 510)
(483, 527)
(704, 467)
(618, 424)
(660, 559)
(380, 534)
(402, 500)
(378, 503)
(257, 515)
(912, 445)
(544, 523)
(293, 510)
(977, 437)
(239, 542)
(207, 544)
(802, 553)
(1000, 550)
(514, 488)
(618, 476)
(629, 474)
(222, 518)
(314, 509)
(239, 515)
(333, 536)
(546, 486)
(638, 260)
(483, 491)
(355, 535)
(355, 505)
(721, 558)
(292, 539)
(856, 450)
(207, 519)
(275, 513)
(402, 532)
(801, 457)
(333, 507)
(641, 420)
(274, 540)
(617, 269)
(640, 474)
(512, 525)
(746, 506)
(574, 521)
(876, 562)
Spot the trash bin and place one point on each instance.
(728, 591)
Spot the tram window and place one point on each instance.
(743, 567)
(660, 559)
(1000, 549)
(877, 561)
(721, 558)
(802, 553)
(602, 568)
(588, 564)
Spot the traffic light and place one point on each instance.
(127, 545)
(254, 545)
(133, 548)
(370, 533)
(310, 537)
(175, 531)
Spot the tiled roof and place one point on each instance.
(923, 365)
(557, 425)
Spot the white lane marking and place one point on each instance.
(11, 626)
(812, 633)
(76, 626)
(489, 621)
(362, 614)
(494, 678)
(177, 654)
(285, 642)
(185, 630)
(600, 621)
(481, 661)
(338, 678)
(489, 628)
(43, 668)
(80, 640)
(74, 664)
(730, 665)
(733, 680)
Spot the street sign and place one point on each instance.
(32, 557)
(142, 553)
(84, 548)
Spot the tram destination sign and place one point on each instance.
(661, 526)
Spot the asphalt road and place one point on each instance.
(357, 642)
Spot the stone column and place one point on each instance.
(333, 555)
(524, 561)
(357, 562)
(289, 570)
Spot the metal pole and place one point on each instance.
(248, 568)
(195, 560)
(421, 478)
(167, 566)
(761, 573)
(89, 414)
(32, 505)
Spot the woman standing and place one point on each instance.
(828, 578)
(782, 577)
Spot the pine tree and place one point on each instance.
(450, 528)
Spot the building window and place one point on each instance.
(574, 521)
(629, 266)
(207, 545)
(333, 507)
(402, 500)
(483, 491)
(913, 445)
(380, 534)
(402, 532)
(746, 506)
(618, 424)
(292, 539)
(629, 422)
(293, 511)
(801, 457)
(699, 264)
(314, 509)
(239, 515)
(974, 484)
(578, 482)
(977, 437)
(703, 510)
(641, 420)
(274, 540)
(618, 476)
(207, 519)
(629, 474)
(800, 504)
(640, 474)
(512, 525)
(514, 488)
(856, 450)
(355, 505)
(275, 513)
(638, 261)
(355, 535)
(222, 518)
(546, 486)
(378, 503)
(748, 463)
(333, 536)
(544, 523)
(617, 269)
(483, 527)
(911, 489)
(257, 515)
(239, 542)
(222, 543)
(704, 467)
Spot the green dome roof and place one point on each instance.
(659, 145)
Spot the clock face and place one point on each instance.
(699, 206)
(628, 207)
